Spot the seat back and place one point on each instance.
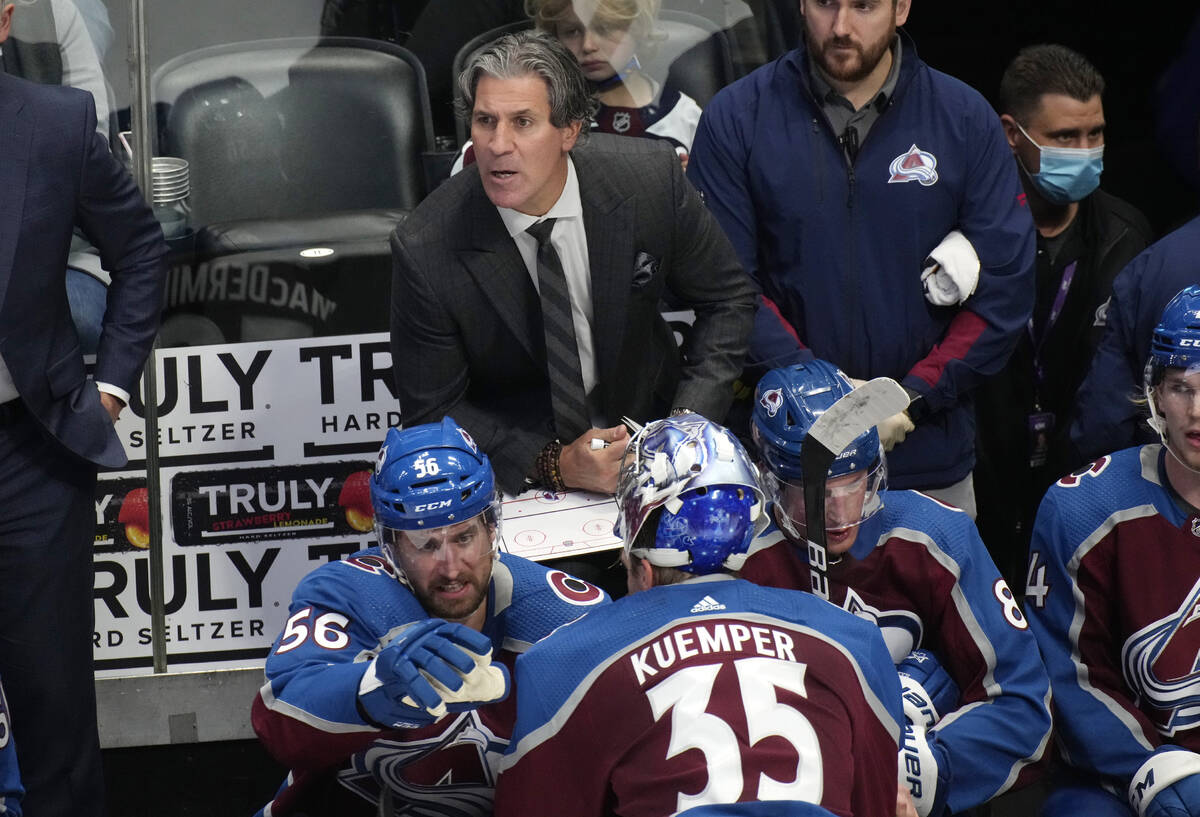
(296, 127)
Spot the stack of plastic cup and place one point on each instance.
(170, 187)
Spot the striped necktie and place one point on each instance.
(567, 395)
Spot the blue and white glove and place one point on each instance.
(429, 665)
(920, 772)
(928, 690)
(927, 693)
(1167, 785)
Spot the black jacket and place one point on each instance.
(1008, 490)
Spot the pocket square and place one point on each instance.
(644, 268)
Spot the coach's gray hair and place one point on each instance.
(529, 52)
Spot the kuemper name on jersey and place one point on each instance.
(703, 639)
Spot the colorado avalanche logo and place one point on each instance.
(621, 121)
(469, 440)
(915, 166)
(902, 629)
(771, 400)
(381, 459)
(451, 773)
(1162, 663)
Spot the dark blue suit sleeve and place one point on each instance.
(114, 216)
(717, 167)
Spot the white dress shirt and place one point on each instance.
(8, 389)
(570, 242)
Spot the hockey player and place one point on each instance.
(384, 689)
(11, 789)
(703, 689)
(918, 569)
(1113, 593)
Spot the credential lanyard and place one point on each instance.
(1056, 308)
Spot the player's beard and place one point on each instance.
(455, 610)
(855, 70)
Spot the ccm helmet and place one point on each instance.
(788, 400)
(702, 478)
(429, 477)
(1175, 344)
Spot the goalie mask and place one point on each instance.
(702, 478)
(433, 490)
(788, 401)
(1175, 345)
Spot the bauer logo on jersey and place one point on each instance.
(1162, 662)
(771, 400)
(915, 166)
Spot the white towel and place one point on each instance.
(951, 271)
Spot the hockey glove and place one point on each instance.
(894, 429)
(1167, 785)
(920, 774)
(484, 683)
(403, 685)
(928, 690)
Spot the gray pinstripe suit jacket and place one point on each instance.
(466, 320)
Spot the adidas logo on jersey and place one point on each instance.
(707, 605)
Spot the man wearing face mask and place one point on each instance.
(1053, 119)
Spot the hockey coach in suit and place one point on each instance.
(56, 426)
(526, 292)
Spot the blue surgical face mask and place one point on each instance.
(1066, 174)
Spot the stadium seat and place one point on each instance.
(296, 127)
(294, 145)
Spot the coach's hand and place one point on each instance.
(594, 467)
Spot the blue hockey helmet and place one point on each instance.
(429, 477)
(788, 400)
(1175, 344)
(1176, 340)
(702, 478)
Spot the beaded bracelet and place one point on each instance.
(548, 466)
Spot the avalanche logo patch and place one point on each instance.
(448, 768)
(572, 590)
(771, 400)
(1162, 663)
(915, 166)
(902, 629)
(469, 440)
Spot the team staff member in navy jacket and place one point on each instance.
(835, 170)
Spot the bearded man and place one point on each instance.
(837, 171)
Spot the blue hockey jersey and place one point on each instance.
(342, 614)
(1113, 593)
(708, 692)
(919, 570)
(11, 789)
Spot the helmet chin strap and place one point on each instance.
(1157, 423)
